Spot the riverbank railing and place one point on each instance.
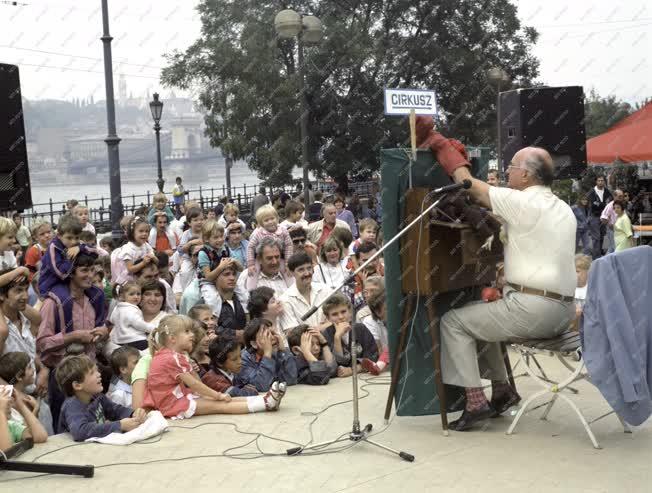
(208, 198)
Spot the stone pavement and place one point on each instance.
(541, 457)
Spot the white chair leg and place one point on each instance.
(583, 420)
(521, 411)
(544, 416)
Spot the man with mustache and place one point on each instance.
(302, 295)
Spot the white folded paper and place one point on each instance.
(154, 425)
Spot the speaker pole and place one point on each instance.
(112, 140)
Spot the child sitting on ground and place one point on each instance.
(17, 369)
(12, 431)
(86, 412)
(315, 361)
(175, 390)
(129, 328)
(266, 357)
(203, 313)
(267, 220)
(377, 327)
(123, 362)
(337, 309)
(225, 365)
(123, 260)
(81, 213)
(160, 204)
(199, 355)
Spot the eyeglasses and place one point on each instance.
(296, 241)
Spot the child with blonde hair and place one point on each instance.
(213, 258)
(175, 389)
(267, 220)
(129, 327)
(81, 212)
(42, 234)
(160, 204)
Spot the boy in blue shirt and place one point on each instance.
(86, 412)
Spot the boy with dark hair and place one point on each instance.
(225, 365)
(338, 311)
(315, 361)
(266, 357)
(86, 412)
(123, 362)
(293, 215)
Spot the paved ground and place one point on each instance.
(543, 456)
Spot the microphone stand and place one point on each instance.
(357, 434)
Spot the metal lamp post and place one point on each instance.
(308, 30)
(156, 107)
(498, 77)
(112, 140)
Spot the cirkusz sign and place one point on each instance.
(403, 101)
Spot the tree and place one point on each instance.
(247, 80)
(602, 113)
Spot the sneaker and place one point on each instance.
(370, 366)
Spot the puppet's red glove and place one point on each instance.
(450, 153)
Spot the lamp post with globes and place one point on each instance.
(308, 31)
(499, 78)
(156, 107)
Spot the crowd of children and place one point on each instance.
(109, 343)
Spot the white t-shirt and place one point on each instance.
(89, 227)
(540, 248)
(599, 193)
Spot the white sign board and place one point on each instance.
(402, 101)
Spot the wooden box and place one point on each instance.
(442, 256)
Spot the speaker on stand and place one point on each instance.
(548, 117)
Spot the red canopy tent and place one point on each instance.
(629, 140)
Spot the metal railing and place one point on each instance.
(208, 197)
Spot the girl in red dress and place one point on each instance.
(175, 389)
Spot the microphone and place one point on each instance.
(309, 313)
(465, 184)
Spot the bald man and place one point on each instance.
(539, 271)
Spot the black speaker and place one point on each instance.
(15, 191)
(548, 117)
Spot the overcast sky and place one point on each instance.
(56, 43)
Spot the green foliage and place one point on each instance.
(247, 80)
(601, 113)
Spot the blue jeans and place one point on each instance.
(584, 237)
(597, 232)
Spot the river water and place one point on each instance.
(240, 175)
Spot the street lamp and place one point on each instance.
(498, 77)
(156, 107)
(112, 140)
(308, 30)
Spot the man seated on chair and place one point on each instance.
(540, 278)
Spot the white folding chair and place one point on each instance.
(565, 347)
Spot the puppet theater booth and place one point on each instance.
(444, 265)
